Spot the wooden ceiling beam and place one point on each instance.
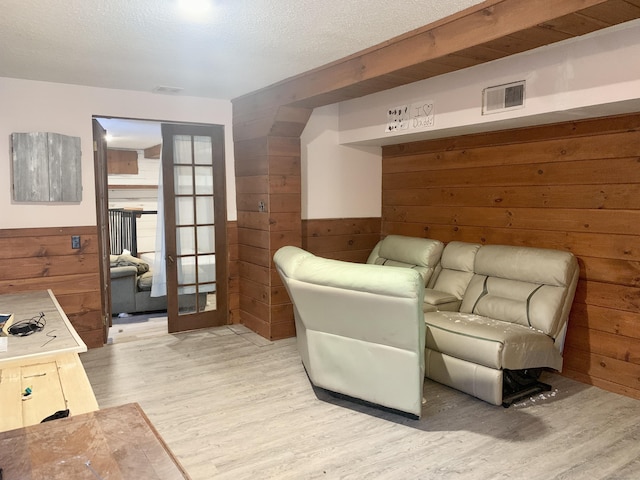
(490, 30)
(153, 152)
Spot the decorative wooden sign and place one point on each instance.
(415, 116)
(46, 167)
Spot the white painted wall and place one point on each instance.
(30, 106)
(594, 75)
(338, 181)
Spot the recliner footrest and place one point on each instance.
(537, 387)
(517, 384)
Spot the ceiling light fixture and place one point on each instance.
(195, 10)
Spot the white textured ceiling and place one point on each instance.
(242, 45)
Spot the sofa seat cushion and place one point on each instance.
(489, 342)
(145, 281)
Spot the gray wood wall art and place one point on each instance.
(46, 167)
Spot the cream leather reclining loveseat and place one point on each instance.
(513, 307)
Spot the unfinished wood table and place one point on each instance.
(57, 336)
(117, 443)
(46, 362)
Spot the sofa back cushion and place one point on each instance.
(420, 254)
(533, 287)
(458, 259)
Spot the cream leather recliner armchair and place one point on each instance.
(512, 323)
(360, 328)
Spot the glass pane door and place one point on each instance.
(193, 169)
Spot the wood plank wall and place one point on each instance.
(232, 270)
(267, 171)
(347, 239)
(573, 186)
(268, 189)
(42, 258)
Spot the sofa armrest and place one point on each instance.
(436, 297)
(120, 272)
(123, 289)
(435, 300)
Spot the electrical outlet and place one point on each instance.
(75, 241)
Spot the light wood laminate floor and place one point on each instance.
(232, 405)
(137, 327)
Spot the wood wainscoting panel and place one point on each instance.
(42, 258)
(571, 186)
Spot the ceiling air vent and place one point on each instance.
(167, 90)
(503, 98)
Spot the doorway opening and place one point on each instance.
(161, 238)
